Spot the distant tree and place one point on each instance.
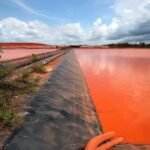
(132, 45)
(142, 44)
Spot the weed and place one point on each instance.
(1, 103)
(7, 116)
(5, 98)
(5, 71)
(38, 68)
(25, 74)
(22, 84)
(34, 58)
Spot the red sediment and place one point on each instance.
(19, 53)
(119, 83)
(19, 50)
(25, 45)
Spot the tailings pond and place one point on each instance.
(119, 84)
(9, 54)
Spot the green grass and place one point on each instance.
(22, 84)
(5, 71)
(38, 68)
(34, 58)
(7, 117)
(7, 114)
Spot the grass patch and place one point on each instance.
(22, 84)
(5, 71)
(34, 58)
(7, 117)
(38, 68)
(7, 114)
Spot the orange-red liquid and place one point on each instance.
(9, 54)
(119, 83)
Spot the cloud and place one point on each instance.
(133, 18)
(12, 29)
(27, 8)
(132, 21)
(131, 24)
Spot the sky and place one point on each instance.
(92, 22)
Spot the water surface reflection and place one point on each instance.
(119, 83)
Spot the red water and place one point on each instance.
(18, 53)
(119, 83)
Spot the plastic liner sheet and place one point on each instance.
(62, 115)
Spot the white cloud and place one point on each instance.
(132, 20)
(131, 24)
(97, 22)
(12, 29)
(131, 14)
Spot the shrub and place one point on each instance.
(6, 113)
(24, 83)
(5, 98)
(1, 103)
(6, 117)
(38, 68)
(34, 58)
(5, 71)
(24, 76)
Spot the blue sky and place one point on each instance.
(75, 21)
(60, 11)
